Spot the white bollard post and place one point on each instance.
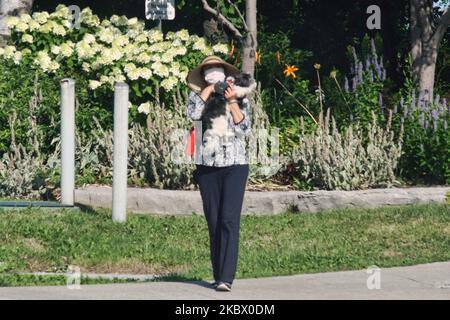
(120, 156)
(67, 141)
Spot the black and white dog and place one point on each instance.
(214, 116)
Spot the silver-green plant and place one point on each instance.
(24, 171)
(150, 149)
(262, 144)
(358, 158)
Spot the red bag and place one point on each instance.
(190, 146)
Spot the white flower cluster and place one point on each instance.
(144, 108)
(10, 52)
(115, 49)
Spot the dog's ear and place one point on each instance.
(249, 78)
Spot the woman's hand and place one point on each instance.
(230, 94)
(207, 92)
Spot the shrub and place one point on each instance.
(28, 173)
(150, 150)
(20, 82)
(107, 51)
(262, 144)
(359, 93)
(327, 159)
(426, 157)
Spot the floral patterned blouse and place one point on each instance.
(232, 149)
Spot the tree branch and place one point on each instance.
(222, 19)
(240, 14)
(443, 24)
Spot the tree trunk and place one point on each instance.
(415, 38)
(212, 33)
(425, 43)
(426, 84)
(250, 41)
(11, 8)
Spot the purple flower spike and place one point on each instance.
(437, 100)
(374, 62)
(355, 57)
(381, 70)
(426, 107)
(360, 72)
(444, 104)
(346, 86)
(373, 47)
(368, 64)
(422, 120)
(435, 115)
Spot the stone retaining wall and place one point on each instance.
(175, 202)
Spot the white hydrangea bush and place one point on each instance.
(106, 51)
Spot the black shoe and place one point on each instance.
(214, 284)
(223, 286)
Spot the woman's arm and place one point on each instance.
(196, 102)
(244, 125)
(241, 116)
(236, 113)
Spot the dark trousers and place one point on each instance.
(222, 190)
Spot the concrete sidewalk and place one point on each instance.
(427, 281)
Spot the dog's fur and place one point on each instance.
(214, 116)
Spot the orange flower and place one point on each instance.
(278, 57)
(258, 57)
(290, 71)
(232, 49)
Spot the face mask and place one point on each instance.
(213, 75)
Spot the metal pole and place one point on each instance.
(120, 156)
(67, 141)
(160, 25)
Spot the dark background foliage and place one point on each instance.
(322, 27)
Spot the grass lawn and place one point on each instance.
(49, 240)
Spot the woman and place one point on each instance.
(221, 177)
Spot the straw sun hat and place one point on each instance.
(195, 78)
